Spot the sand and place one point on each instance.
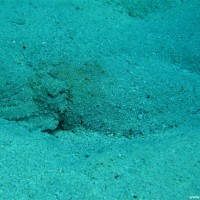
(99, 100)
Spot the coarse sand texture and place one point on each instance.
(99, 99)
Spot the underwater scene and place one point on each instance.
(99, 99)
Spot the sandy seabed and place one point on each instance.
(99, 100)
